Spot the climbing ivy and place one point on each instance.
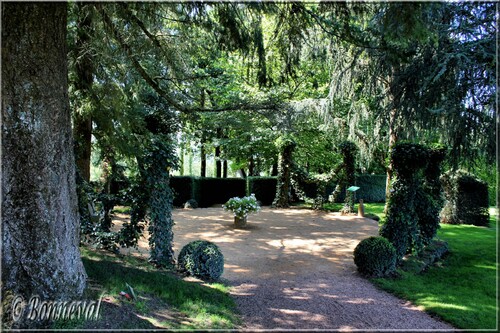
(343, 174)
(401, 227)
(286, 147)
(158, 159)
(429, 198)
(348, 150)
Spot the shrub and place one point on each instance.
(202, 259)
(375, 257)
(467, 199)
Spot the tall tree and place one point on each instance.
(40, 239)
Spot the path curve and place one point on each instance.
(293, 269)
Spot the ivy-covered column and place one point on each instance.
(429, 200)
(160, 158)
(286, 147)
(401, 227)
(348, 150)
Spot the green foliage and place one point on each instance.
(264, 189)
(407, 158)
(202, 259)
(467, 199)
(241, 207)
(286, 147)
(375, 257)
(429, 198)
(157, 161)
(348, 150)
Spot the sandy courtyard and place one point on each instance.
(293, 269)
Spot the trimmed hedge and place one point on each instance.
(264, 189)
(210, 191)
(202, 259)
(375, 257)
(372, 188)
(219, 190)
(183, 188)
(467, 199)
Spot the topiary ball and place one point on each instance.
(375, 257)
(202, 259)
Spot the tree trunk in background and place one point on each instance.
(393, 138)
(82, 119)
(251, 166)
(203, 156)
(40, 227)
(224, 169)
(218, 163)
(274, 170)
(181, 161)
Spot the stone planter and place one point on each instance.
(240, 222)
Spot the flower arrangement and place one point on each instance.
(241, 207)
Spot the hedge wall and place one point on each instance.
(184, 189)
(211, 191)
(264, 189)
(219, 190)
(372, 188)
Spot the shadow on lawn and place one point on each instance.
(163, 300)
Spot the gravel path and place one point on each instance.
(293, 269)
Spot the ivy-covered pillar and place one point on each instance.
(348, 150)
(286, 147)
(429, 200)
(401, 227)
(159, 160)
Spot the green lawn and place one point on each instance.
(193, 305)
(463, 289)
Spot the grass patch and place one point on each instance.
(122, 209)
(370, 208)
(461, 290)
(164, 300)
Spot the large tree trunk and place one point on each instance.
(82, 119)
(40, 228)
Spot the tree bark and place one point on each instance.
(40, 226)
(203, 156)
(218, 163)
(393, 138)
(224, 169)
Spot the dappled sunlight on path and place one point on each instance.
(294, 269)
